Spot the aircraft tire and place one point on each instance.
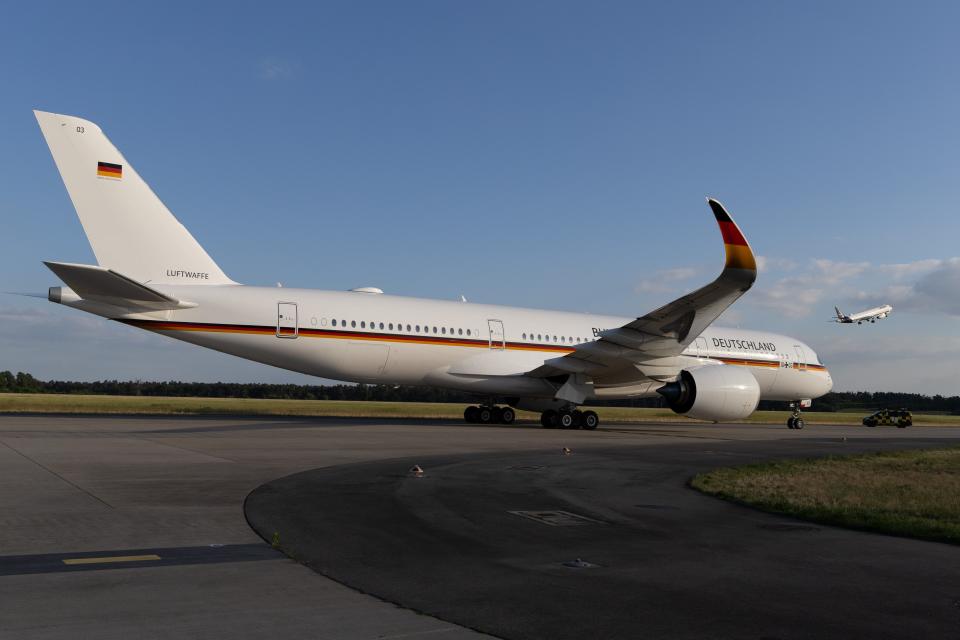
(470, 414)
(507, 415)
(485, 415)
(790, 423)
(590, 420)
(567, 421)
(799, 423)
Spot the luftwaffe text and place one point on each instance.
(197, 275)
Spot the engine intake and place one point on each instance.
(718, 392)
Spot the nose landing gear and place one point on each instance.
(795, 421)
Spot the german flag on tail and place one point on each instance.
(739, 255)
(109, 170)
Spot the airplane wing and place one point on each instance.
(100, 284)
(647, 347)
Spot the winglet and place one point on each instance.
(739, 254)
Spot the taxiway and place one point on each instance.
(113, 527)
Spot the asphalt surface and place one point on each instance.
(610, 543)
(133, 527)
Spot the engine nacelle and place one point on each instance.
(719, 392)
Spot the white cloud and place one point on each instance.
(936, 290)
(906, 270)
(665, 280)
(796, 295)
(766, 263)
(832, 272)
(274, 68)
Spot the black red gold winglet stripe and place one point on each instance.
(739, 254)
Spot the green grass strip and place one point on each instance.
(904, 493)
(80, 404)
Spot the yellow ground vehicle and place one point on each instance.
(899, 418)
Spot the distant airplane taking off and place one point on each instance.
(153, 275)
(870, 315)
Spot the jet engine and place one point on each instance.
(718, 392)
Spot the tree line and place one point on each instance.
(26, 383)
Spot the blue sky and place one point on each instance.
(543, 154)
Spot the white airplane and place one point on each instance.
(154, 275)
(870, 315)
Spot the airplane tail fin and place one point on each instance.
(128, 227)
(839, 313)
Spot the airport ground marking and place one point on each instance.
(110, 559)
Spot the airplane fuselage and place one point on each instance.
(485, 349)
(876, 313)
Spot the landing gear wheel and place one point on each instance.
(590, 420)
(485, 415)
(549, 419)
(795, 421)
(470, 414)
(507, 415)
(567, 421)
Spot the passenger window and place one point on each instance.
(408, 328)
(353, 323)
(459, 332)
(381, 326)
(418, 328)
(468, 331)
(390, 326)
(434, 330)
(334, 322)
(443, 331)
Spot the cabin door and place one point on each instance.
(287, 320)
(497, 340)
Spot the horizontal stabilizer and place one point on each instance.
(100, 284)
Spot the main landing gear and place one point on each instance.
(569, 419)
(795, 421)
(487, 414)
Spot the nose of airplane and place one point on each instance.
(827, 382)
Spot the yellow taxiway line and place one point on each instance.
(106, 559)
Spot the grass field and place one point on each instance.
(51, 403)
(908, 493)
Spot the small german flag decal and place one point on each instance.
(109, 170)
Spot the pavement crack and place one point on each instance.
(55, 474)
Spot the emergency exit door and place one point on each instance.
(497, 340)
(287, 320)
